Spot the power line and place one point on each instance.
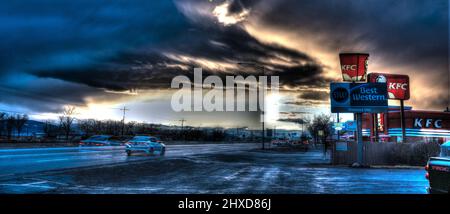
(124, 110)
(182, 128)
(182, 123)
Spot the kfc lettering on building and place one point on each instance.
(354, 66)
(419, 123)
(397, 85)
(427, 123)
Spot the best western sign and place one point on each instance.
(358, 97)
(398, 85)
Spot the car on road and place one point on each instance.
(280, 141)
(438, 171)
(101, 140)
(296, 143)
(147, 144)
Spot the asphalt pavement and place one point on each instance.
(192, 169)
(20, 161)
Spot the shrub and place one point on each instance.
(416, 154)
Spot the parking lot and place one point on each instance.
(233, 168)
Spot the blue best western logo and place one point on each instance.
(358, 97)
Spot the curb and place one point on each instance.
(396, 167)
(378, 167)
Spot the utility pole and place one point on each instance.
(263, 68)
(303, 124)
(359, 139)
(263, 109)
(182, 128)
(338, 131)
(124, 109)
(182, 123)
(303, 120)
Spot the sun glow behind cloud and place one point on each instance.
(226, 18)
(95, 65)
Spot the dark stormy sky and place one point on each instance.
(101, 55)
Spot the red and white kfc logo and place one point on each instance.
(348, 67)
(354, 66)
(398, 85)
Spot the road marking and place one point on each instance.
(28, 185)
(50, 154)
(51, 160)
(48, 181)
(60, 148)
(93, 156)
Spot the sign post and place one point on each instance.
(338, 132)
(360, 145)
(402, 120)
(398, 89)
(375, 125)
(354, 68)
(359, 98)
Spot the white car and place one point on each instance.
(147, 144)
(280, 141)
(101, 140)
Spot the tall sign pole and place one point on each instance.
(402, 120)
(360, 145)
(398, 89)
(358, 98)
(375, 126)
(354, 69)
(338, 132)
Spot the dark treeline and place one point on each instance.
(68, 128)
(12, 123)
(91, 127)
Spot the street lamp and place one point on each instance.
(254, 64)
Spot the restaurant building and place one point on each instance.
(420, 125)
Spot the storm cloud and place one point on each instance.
(93, 48)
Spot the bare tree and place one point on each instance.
(85, 126)
(2, 122)
(66, 120)
(321, 123)
(130, 127)
(10, 122)
(20, 122)
(49, 128)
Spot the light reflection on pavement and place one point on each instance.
(238, 168)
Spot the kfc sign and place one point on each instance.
(398, 85)
(354, 66)
(427, 123)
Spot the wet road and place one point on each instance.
(222, 169)
(19, 161)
